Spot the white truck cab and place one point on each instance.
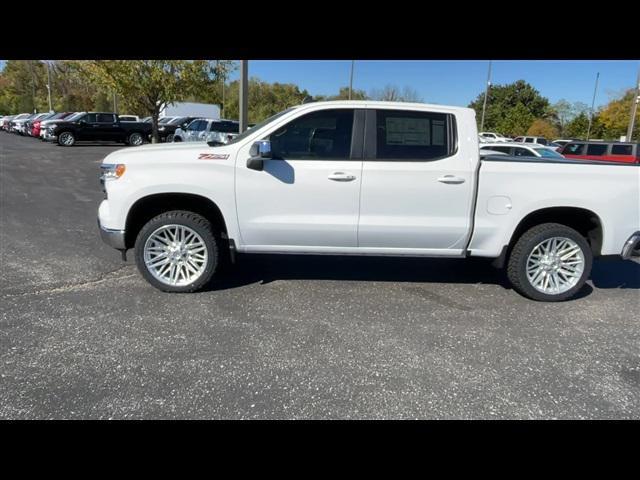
(366, 178)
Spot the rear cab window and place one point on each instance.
(413, 135)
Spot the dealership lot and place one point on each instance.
(82, 335)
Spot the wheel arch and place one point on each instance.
(583, 220)
(149, 206)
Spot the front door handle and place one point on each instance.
(451, 179)
(341, 177)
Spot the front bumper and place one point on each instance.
(631, 247)
(113, 238)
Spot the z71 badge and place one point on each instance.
(213, 156)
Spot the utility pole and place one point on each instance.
(244, 90)
(634, 108)
(222, 110)
(593, 101)
(49, 85)
(351, 79)
(486, 94)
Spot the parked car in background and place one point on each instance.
(146, 120)
(520, 150)
(494, 137)
(44, 123)
(97, 126)
(539, 140)
(129, 118)
(553, 146)
(4, 122)
(28, 125)
(17, 123)
(562, 142)
(624, 152)
(167, 128)
(208, 130)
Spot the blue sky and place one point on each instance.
(454, 82)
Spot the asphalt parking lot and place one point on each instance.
(82, 335)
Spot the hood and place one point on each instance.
(161, 152)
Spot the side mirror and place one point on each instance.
(259, 151)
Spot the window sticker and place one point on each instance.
(408, 131)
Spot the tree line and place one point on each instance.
(519, 109)
(144, 87)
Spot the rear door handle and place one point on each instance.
(451, 179)
(341, 177)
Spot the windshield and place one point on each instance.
(74, 117)
(165, 120)
(258, 126)
(545, 152)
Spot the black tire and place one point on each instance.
(66, 135)
(135, 139)
(517, 264)
(194, 221)
(169, 138)
(177, 139)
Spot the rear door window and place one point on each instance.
(597, 149)
(407, 135)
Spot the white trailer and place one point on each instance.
(190, 109)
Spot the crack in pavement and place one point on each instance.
(105, 277)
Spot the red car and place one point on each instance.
(35, 128)
(623, 152)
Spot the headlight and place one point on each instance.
(112, 171)
(161, 129)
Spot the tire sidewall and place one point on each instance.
(189, 220)
(64, 144)
(129, 142)
(532, 241)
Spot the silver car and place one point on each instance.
(208, 130)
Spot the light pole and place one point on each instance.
(634, 109)
(351, 79)
(244, 87)
(486, 94)
(593, 101)
(222, 112)
(49, 85)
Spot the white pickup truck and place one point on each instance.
(367, 178)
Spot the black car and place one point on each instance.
(98, 126)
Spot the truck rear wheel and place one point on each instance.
(177, 251)
(550, 262)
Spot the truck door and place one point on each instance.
(107, 128)
(308, 194)
(417, 182)
(86, 129)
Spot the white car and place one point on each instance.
(366, 178)
(207, 130)
(522, 150)
(494, 137)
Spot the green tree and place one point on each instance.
(543, 128)
(616, 114)
(147, 86)
(516, 121)
(343, 94)
(265, 99)
(503, 100)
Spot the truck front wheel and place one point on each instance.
(550, 262)
(177, 251)
(135, 139)
(66, 139)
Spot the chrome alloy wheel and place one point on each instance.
(555, 265)
(175, 255)
(135, 139)
(66, 138)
